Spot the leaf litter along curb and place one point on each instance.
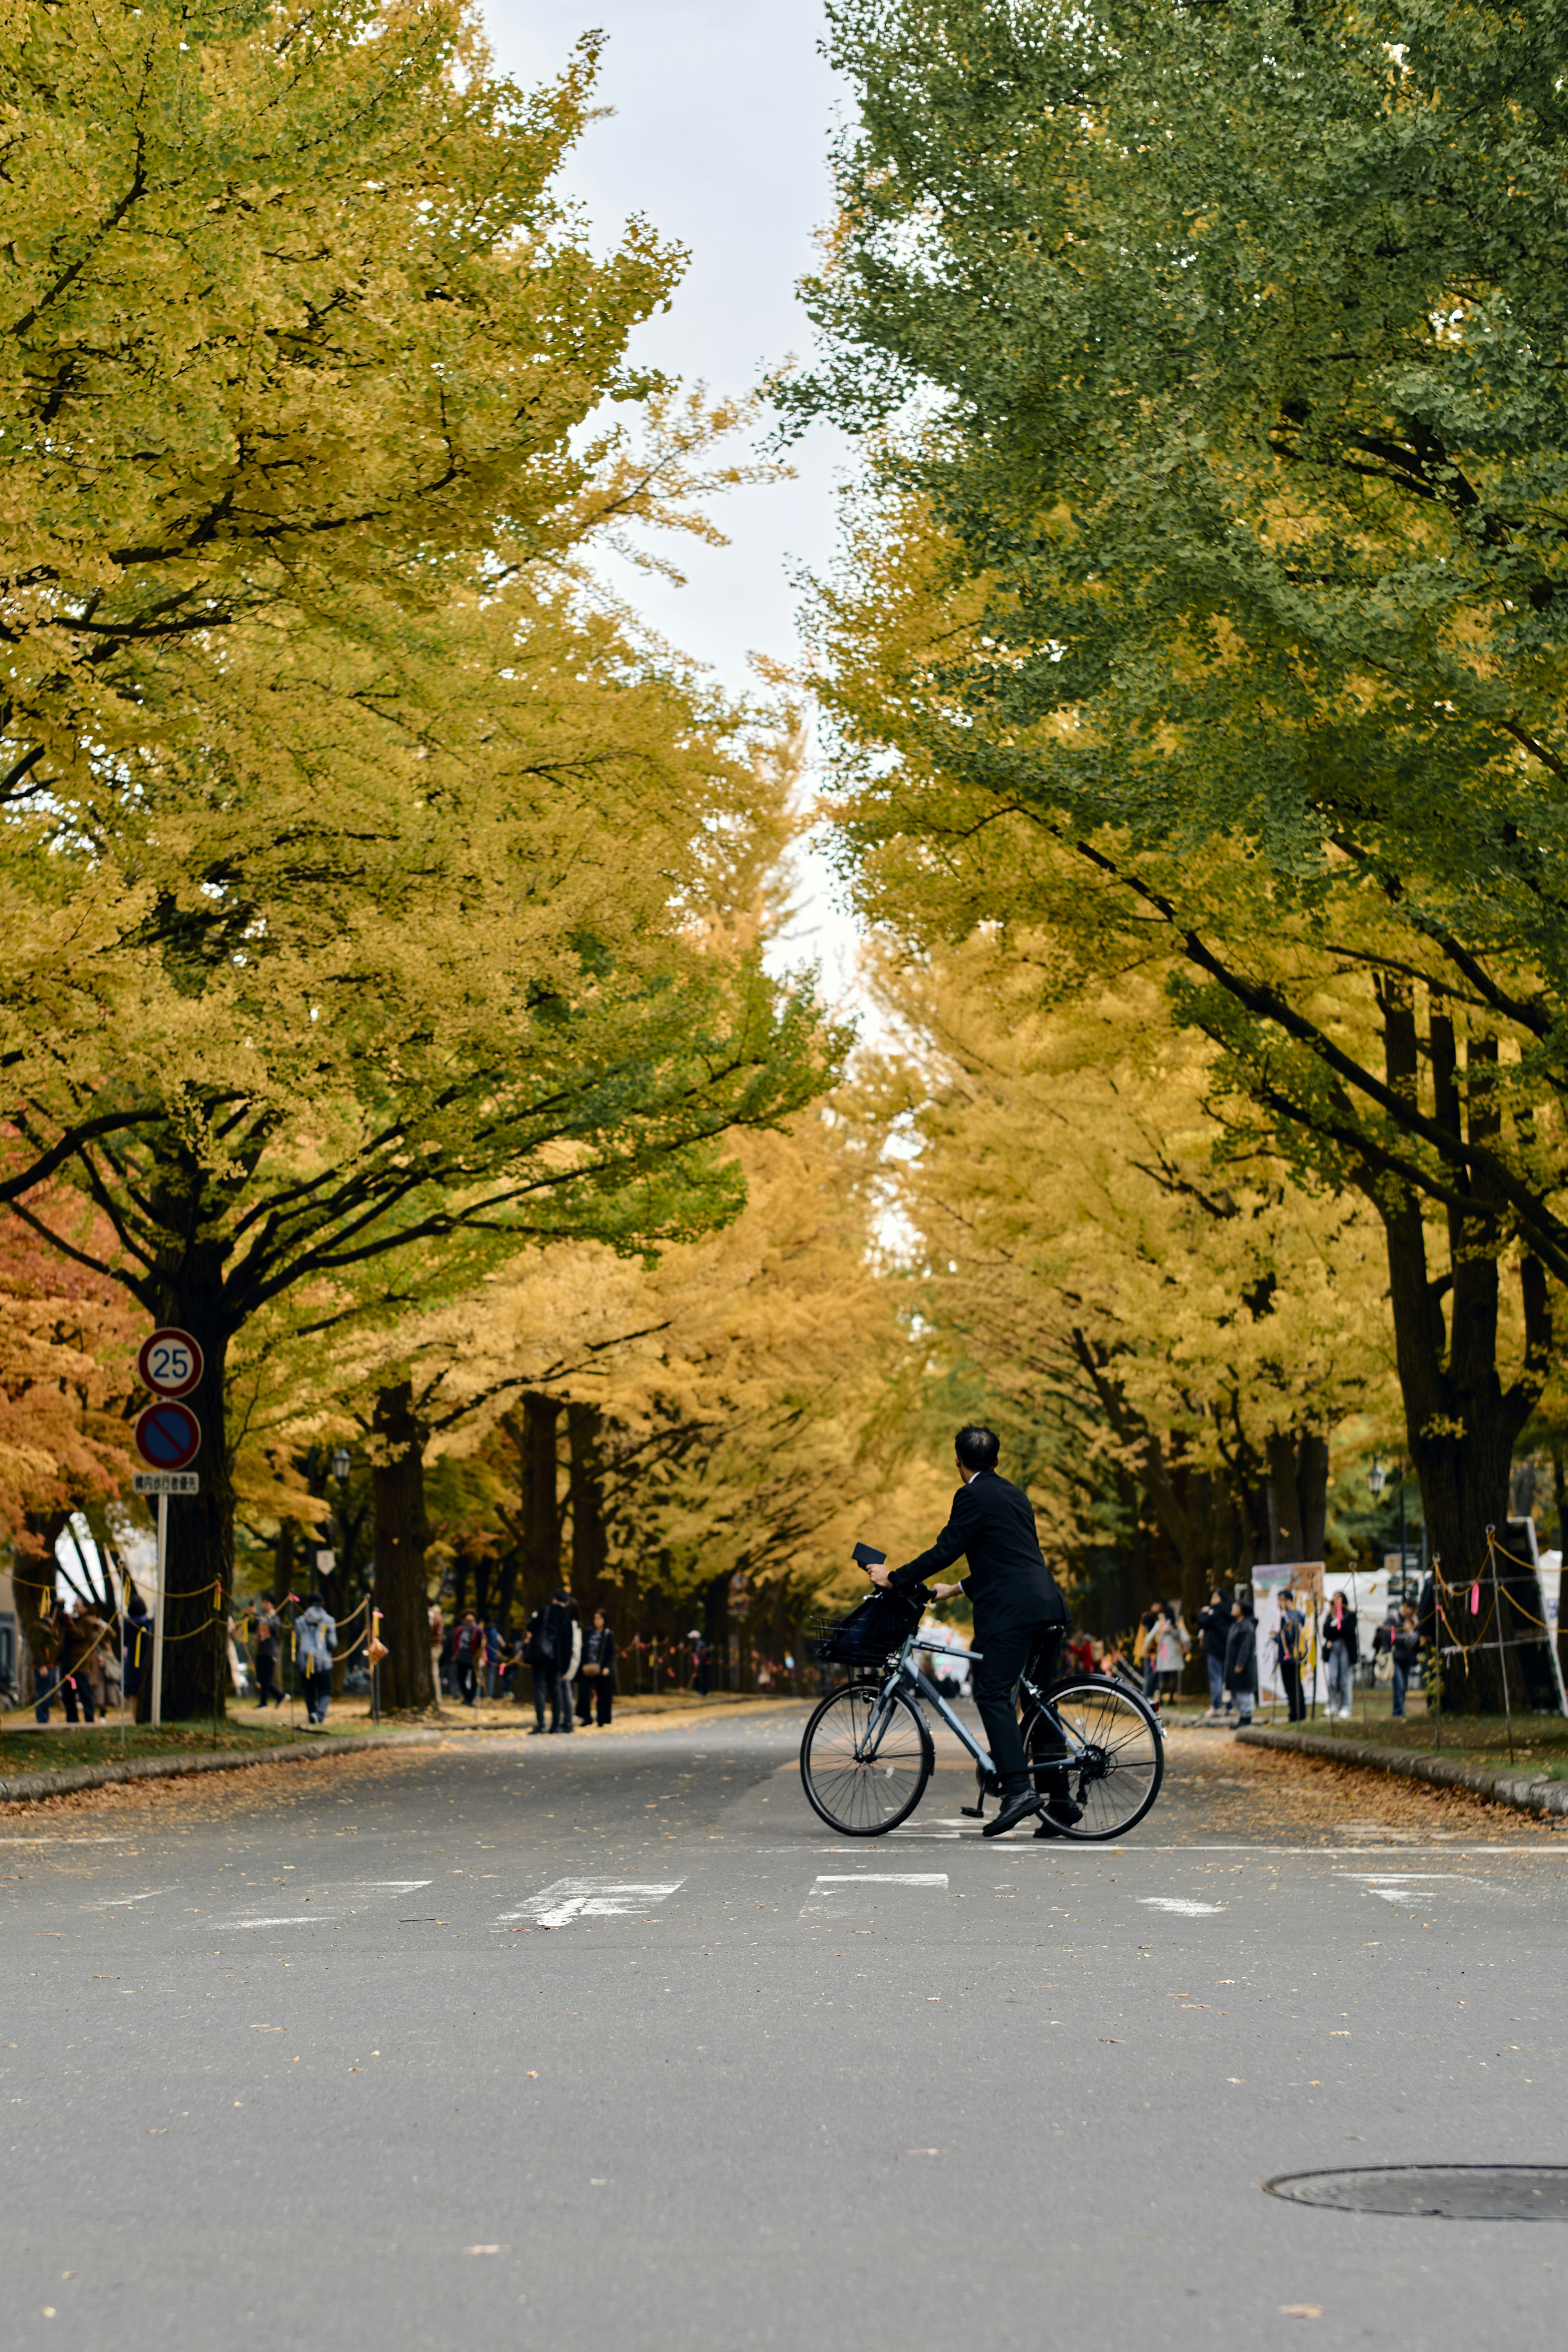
(1254, 1789)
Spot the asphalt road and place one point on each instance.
(604, 2043)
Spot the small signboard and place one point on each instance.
(168, 1436)
(169, 1363)
(166, 1482)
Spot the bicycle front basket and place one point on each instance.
(868, 1634)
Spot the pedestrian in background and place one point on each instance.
(597, 1678)
(75, 1637)
(1406, 1648)
(467, 1659)
(1143, 1650)
(1290, 1644)
(494, 1650)
(539, 1657)
(1241, 1662)
(263, 1627)
(702, 1672)
(90, 1676)
(565, 1631)
(135, 1644)
(316, 1639)
(1214, 1633)
(1168, 1641)
(1340, 1652)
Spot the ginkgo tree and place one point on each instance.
(1202, 357)
(1169, 1329)
(349, 840)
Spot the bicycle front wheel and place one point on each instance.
(864, 1762)
(1116, 1758)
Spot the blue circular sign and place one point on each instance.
(168, 1436)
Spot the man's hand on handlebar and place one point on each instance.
(882, 1575)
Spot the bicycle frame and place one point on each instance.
(914, 1679)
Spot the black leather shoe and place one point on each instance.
(1046, 1827)
(1015, 1809)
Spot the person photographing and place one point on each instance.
(1019, 1605)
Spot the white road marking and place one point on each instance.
(114, 1902)
(1181, 1904)
(303, 1919)
(826, 1898)
(330, 1910)
(1406, 1885)
(591, 1898)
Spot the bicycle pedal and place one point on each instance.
(972, 1812)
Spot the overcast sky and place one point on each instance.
(721, 115)
(723, 112)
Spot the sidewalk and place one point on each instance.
(349, 1732)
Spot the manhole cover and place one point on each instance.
(1442, 2192)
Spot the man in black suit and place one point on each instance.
(1017, 1603)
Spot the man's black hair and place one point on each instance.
(977, 1448)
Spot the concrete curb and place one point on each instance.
(30, 1785)
(1525, 1791)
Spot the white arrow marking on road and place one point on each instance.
(826, 1898)
(1181, 1904)
(591, 1898)
(1396, 1886)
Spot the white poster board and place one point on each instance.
(1304, 1578)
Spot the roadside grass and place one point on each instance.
(1540, 1741)
(29, 1747)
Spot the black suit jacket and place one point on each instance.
(992, 1524)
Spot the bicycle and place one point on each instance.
(867, 1754)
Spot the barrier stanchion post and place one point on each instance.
(157, 1707)
(1501, 1652)
(219, 1646)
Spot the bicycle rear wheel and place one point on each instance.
(1116, 1760)
(859, 1791)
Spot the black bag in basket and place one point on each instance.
(871, 1633)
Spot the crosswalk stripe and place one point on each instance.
(566, 1899)
(826, 1899)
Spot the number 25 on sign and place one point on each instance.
(170, 1363)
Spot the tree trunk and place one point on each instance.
(590, 1548)
(402, 1537)
(1461, 1423)
(541, 1501)
(200, 1525)
(1297, 1494)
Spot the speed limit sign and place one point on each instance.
(170, 1363)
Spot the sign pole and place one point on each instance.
(158, 1619)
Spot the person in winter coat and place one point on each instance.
(539, 1657)
(596, 1679)
(1169, 1644)
(264, 1626)
(315, 1639)
(1289, 1647)
(1340, 1652)
(1405, 1645)
(1241, 1661)
(1214, 1633)
(467, 1659)
(79, 1629)
(135, 1644)
(565, 1631)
